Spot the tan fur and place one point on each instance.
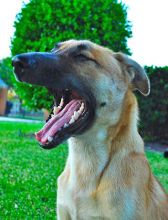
(107, 176)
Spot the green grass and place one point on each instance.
(28, 173)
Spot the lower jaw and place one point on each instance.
(55, 143)
(71, 132)
(62, 120)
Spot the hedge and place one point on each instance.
(154, 108)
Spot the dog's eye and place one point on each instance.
(81, 57)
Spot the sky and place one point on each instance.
(8, 11)
(149, 44)
(149, 19)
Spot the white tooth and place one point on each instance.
(65, 125)
(56, 110)
(61, 103)
(81, 108)
(76, 115)
(80, 111)
(72, 120)
(50, 138)
(73, 117)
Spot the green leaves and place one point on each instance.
(6, 71)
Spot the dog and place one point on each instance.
(107, 176)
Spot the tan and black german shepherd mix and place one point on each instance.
(107, 176)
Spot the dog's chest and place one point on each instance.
(80, 205)
(83, 193)
(84, 204)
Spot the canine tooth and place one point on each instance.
(50, 138)
(56, 110)
(81, 108)
(61, 103)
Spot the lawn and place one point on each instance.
(28, 173)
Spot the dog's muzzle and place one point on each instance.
(74, 104)
(40, 68)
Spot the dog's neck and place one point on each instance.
(91, 153)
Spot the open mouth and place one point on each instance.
(74, 103)
(70, 115)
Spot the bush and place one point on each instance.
(6, 71)
(42, 23)
(154, 109)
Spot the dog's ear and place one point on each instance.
(139, 79)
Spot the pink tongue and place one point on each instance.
(57, 122)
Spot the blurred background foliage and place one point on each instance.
(154, 108)
(6, 71)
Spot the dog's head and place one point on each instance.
(87, 81)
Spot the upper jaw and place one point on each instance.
(44, 69)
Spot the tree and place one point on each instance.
(6, 71)
(42, 23)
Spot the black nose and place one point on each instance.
(20, 61)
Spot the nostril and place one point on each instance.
(19, 62)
